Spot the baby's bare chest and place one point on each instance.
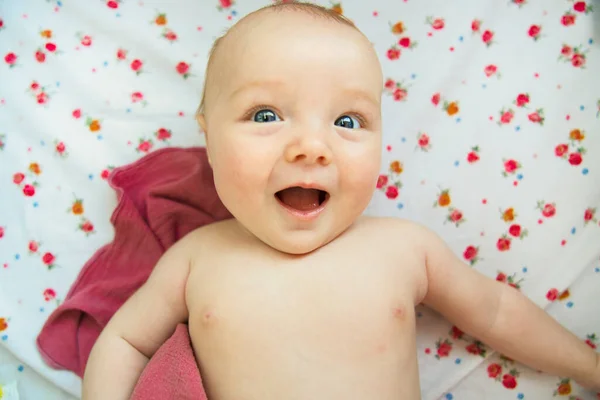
(322, 305)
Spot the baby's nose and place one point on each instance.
(309, 150)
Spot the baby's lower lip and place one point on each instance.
(307, 215)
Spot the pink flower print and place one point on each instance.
(106, 172)
(435, 23)
(537, 117)
(11, 59)
(473, 155)
(138, 97)
(114, 4)
(225, 4)
(506, 116)
(18, 178)
(435, 99)
(393, 53)
(29, 190)
(407, 43)
(382, 180)
(1, 24)
(568, 19)
(49, 294)
(566, 50)
(389, 84)
(582, 7)
(86, 41)
(522, 100)
(510, 167)
(61, 149)
(169, 35)
(589, 215)
(392, 192)
(552, 294)
(76, 113)
(471, 254)
(423, 142)
(48, 260)
(121, 55)
(520, 3)
(548, 209)
(534, 32)
(163, 134)
(475, 25)
(34, 86)
(145, 145)
(136, 66)
(578, 60)
(490, 70)
(400, 94)
(87, 227)
(33, 246)
(515, 230)
(1, 232)
(561, 150)
(42, 98)
(575, 158)
(487, 37)
(455, 216)
(503, 244)
(183, 69)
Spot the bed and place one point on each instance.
(491, 138)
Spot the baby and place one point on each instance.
(299, 296)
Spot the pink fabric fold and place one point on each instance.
(161, 198)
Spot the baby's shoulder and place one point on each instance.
(391, 228)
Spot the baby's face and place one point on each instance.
(294, 128)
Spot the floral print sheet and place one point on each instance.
(491, 138)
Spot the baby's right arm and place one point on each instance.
(139, 328)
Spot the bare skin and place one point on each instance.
(310, 305)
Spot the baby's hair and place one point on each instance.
(280, 6)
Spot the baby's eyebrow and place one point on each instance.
(259, 84)
(355, 93)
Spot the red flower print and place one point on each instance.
(575, 158)
(10, 59)
(588, 215)
(1, 23)
(42, 98)
(136, 65)
(494, 370)
(471, 254)
(456, 333)
(516, 231)
(506, 116)
(568, 19)
(60, 148)
(18, 178)
(510, 166)
(509, 381)
(552, 294)
(561, 150)
(163, 134)
(170, 35)
(391, 192)
(77, 114)
(475, 25)
(87, 227)
(566, 50)
(578, 60)
(390, 84)
(1, 232)
(455, 216)
(487, 37)
(522, 100)
(591, 341)
(121, 55)
(443, 348)
(435, 23)
(490, 70)
(33, 246)
(29, 190)
(582, 7)
(34, 85)
(423, 141)
(393, 53)
(537, 117)
(105, 174)
(503, 244)
(382, 180)
(548, 209)
(51, 47)
(112, 4)
(48, 258)
(225, 3)
(473, 155)
(519, 2)
(137, 97)
(144, 145)
(400, 94)
(435, 99)
(534, 31)
(49, 294)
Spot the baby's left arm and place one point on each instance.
(502, 317)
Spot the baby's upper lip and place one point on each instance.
(306, 185)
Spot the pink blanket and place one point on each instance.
(162, 197)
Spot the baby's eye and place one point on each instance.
(265, 116)
(348, 122)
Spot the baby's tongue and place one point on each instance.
(300, 199)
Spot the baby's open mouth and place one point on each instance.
(302, 199)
